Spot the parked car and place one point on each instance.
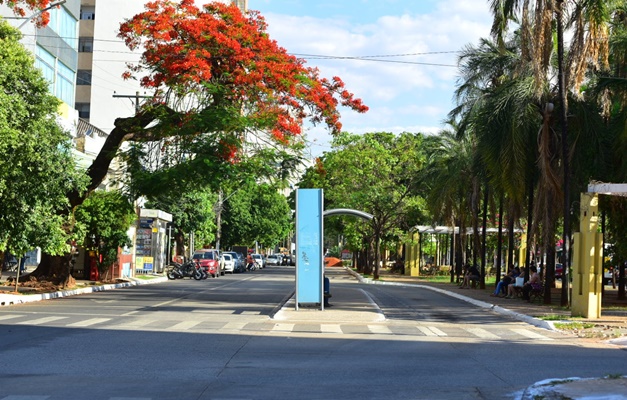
(209, 260)
(258, 258)
(229, 262)
(559, 269)
(274, 259)
(239, 261)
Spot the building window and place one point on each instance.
(88, 13)
(86, 45)
(83, 110)
(60, 77)
(65, 25)
(83, 77)
(46, 63)
(65, 83)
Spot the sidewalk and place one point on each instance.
(602, 388)
(27, 295)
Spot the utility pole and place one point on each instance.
(135, 96)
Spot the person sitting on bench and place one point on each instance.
(532, 283)
(472, 274)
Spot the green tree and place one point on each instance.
(220, 85)
(256, 214)
(102, 224)
(376, 173)
(588, 51)
(37, 168)
(192, 211)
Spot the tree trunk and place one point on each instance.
(377, 256)
(55, 269)
(483, 236)
(125, 129)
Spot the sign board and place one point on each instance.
(309, 255)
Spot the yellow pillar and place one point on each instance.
(411, 255)
(588, 261)
(522, 251)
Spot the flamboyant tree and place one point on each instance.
(217, 78)
(218, 81)
(22, 7)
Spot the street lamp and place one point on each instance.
(43, 10)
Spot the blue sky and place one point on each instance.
(410, 48)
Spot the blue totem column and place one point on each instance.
(309, 252)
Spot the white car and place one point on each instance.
(274, 259)
(228, 263)
(258, 258)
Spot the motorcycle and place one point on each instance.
(253, 266)
(185, 270)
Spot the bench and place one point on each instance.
(537, 293)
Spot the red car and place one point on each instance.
(209, 260)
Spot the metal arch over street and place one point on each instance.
(347, 211)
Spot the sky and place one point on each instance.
(407, 49)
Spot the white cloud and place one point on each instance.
(402, 96)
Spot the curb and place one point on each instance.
(548, 325)
(12, 299)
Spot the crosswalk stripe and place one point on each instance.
(138, 323)
(437, 331)
(530, 334)
(283, 327)
(426, 331)
(5, 317)
(40, 321)
(237, 326)
(330, 328)
(88, 322)
(184, 325)
(382, 329)
(481, 333)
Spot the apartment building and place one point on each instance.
(101, 93)
(55, 48)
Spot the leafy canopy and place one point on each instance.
(37, 168)
(224, 57)
(102, 222)
(21, 7)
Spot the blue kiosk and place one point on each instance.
(309, 246)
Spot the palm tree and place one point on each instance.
(448, 169)
(589, 22)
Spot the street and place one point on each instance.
(215, 339)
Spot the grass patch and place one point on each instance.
(574, 325)
(147, 277)
(551, 317)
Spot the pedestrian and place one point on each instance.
(501, 286)
(472, 275)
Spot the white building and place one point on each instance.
(55, 48)
(102, 95)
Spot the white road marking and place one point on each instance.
(5, 317)
(89, 322)
(437, 331)
(330, 328)
(426, 331)
(40, 321)
(283, 327)
(481, 333)
(236, 326)
(382, 329)
(185, 325)
(530, 334)
(138, 323)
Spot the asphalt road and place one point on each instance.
(215, 339)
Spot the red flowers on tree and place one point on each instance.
(20, 7)
(219, 56)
